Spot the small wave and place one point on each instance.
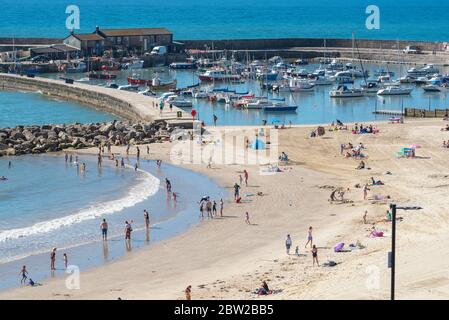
(148, 186)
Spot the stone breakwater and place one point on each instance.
(52, 138)
(127, 105)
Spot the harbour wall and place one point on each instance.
(276, 44)
(126, 105)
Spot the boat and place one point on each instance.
(300, 62)
(154, 84)
(295, 85)
(322, 81)
(279, 107)
(76, 67)
(178, 102)
(183, 65)
(103, 76)
(129, 87)
(345, 92)
(217, 75)
(134, 64)
(257, 104)
(394, 91)
(426, 70)
(372, 87)
(432, 88)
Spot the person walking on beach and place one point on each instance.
(247, 218)
(288, 244)
(53, 259)
(364, 217)
(221, 207)
(148, 149)
(215, 120)
(24, 274)
(128, 230)
(246, 177)
(315, 255)
(104, 229)
(365, 191)
(188, 292)
(138, 153)
(65, 259)
(309, 238)
(175, 196)
(122, 163)
(146, 216)
(236, 191)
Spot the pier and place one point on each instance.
(127, 105)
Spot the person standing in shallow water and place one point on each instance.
(24, 274)
(168, 185)
(128, 230)
(65, 259)
(221, 207)
(123, 163)
(104, 229)
(146, 216)
(138, 153)
(53, 259)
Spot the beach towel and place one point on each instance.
(339, 247)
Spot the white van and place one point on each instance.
(159, 50)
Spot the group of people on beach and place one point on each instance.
(362, 129)
(314, 249)
(206, 204)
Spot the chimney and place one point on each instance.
(97, 29)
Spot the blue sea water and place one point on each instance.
(217, 19)
(26, 108)
(46, 202)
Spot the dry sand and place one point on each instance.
(227, 259)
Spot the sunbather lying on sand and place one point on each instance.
(376, 183)
(361, 165)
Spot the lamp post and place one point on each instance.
(393, 249)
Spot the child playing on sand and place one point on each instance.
(247, 218)
(315, 255)
(288, 244)
(297, 251)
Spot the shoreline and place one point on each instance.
(164, 225)
(226, 259)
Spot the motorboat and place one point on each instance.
(178, 102)
(134, 64)
(218, 75)
(76, 67)
(394, 91)
(279, 107)
(257, 103)
(154, 84)
(372, 87)
(432, 88)
(183, 65)
(322, 81)
(426, 70)
(343, 91)
(129, 87)
(295, 85)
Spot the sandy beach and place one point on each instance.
(225, 258)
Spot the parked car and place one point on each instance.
(411, 50)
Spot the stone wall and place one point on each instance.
(127, 105)
(266, 44)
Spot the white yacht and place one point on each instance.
(426, 70)
(345, 92)
(394, 91)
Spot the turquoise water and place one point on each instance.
(46, 202)
(20, 108)
(198, 19)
